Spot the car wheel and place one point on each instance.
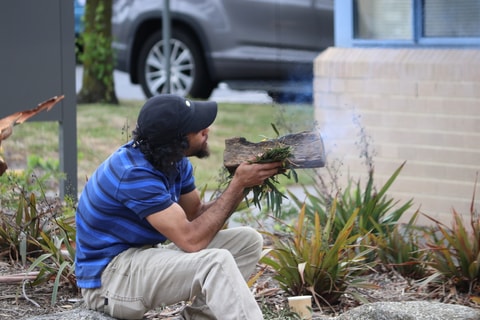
(188, 75)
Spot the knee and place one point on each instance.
(252, 239)
(221, 257)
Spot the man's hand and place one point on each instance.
(253, 174)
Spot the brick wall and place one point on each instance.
(421, 106)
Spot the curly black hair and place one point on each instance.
(162, 155)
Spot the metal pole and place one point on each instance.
(166, 42)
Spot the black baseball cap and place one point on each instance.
(167, 116)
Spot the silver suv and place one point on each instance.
(249, 44)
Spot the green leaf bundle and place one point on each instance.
(269, 190)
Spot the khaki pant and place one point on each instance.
(141, 279)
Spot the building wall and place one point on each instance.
(421, 106)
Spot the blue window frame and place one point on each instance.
(407, 23)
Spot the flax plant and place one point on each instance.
(20, 216)
(39, 230)
(57, 261)
(401, 249)
(455, 253)
(313, 261)
(17, 228)
(377, 213)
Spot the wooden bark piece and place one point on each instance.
(307, 150)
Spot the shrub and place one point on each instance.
(456, 251)
(377, 212)
(315, 261)
(38, 231)
(400, 249)
(57, 261)
(21, 216)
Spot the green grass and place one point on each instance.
(102, 128)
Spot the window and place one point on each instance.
(446, 18)
(383, 19)
(414, 22)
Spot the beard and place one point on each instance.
(203, 152)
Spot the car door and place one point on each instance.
(248, 45)
(305, 28)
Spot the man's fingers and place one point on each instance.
(257, 173)
(270, 171)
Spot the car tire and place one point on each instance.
(188, 76)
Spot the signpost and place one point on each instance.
(37, 62)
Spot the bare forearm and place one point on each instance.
(194, 232)
(207, 205)
(214, 214)
(210, 218)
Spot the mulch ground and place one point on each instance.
(20, 300)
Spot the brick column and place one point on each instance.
(417, 105)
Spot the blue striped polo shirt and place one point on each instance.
(110, 216)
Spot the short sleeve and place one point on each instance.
(144, 191)
(188, 180)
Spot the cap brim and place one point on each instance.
(205, 113)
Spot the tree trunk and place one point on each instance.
(98, 64)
